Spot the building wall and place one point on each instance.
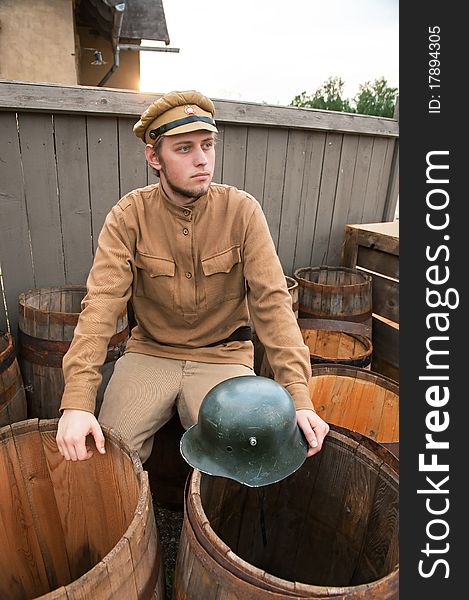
(37, 41)
(127, 76)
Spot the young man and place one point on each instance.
(197, 261)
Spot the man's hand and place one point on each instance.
(314, 428)
(74, 426)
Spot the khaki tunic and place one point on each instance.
(194, 275)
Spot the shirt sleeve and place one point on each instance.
(109, 288)
(270, 307)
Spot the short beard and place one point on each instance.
(193, 194)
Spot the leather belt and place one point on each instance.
(242, 334)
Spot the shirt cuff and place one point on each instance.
(300, 394)
(79, 398)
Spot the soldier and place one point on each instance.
(198, 264)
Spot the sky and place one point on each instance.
(268, 51)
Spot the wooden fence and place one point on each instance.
(67, 153)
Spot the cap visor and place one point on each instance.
(259, 471)
(188, 127)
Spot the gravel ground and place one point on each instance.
(169, 523)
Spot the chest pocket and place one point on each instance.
(223, 276)
(155, 278)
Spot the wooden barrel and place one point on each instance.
(47, 321)
(347, 345)
(167, 470)
(328, 530)
(75, 530)
(334, 293)
(12, 395)
(360, 400)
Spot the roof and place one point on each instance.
(143, 19)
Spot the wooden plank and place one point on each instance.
(132, 162)
(16, 263)
(357, 503)
(274, 180)
(385, 343)
(217, 174)
(327, 196)
(26, 570)
(103, 169)
(380, 236)
(360, 179)
(98, 482)
(354, 404)
(384, 182)
(40, 183)
(379, 555)
(234, 155)
(385, 294)
(92, 584)
(300, 503)
(343, 394)
(350, 247)
(144, 545)
(309, 199)
(342, 198)
(323, 514)
(256, 158)
(383, 235)
(393, 186)
(389, 430)
(292, 192)
(4, 325)
(75, 209)
(120, 569)
(105, 101)
(40, 493)
(378, 261)
(375, 199)
(72, 507)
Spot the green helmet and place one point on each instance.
(247, 431)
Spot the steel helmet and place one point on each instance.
(247, 431)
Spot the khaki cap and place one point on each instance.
(176, 112)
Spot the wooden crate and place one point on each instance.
(374, 248)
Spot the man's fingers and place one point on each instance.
(311, 436)
(314, 429)
(79, 449)
(63, 450)
(98, 438)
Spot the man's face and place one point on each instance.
(186, 162)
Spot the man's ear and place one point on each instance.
(152, 158)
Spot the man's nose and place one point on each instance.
(200, 158)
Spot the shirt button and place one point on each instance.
(187, 213)
(188, 275)
(185, 231)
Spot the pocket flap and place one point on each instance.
(222, 262)
(155, 265)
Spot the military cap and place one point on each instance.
(176, 112)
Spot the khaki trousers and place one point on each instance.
(145, 391)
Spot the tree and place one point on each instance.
(375, 98)
(326, 97)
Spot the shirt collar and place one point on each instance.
(180, 211)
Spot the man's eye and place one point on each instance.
(208, 145)
(183, 149)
